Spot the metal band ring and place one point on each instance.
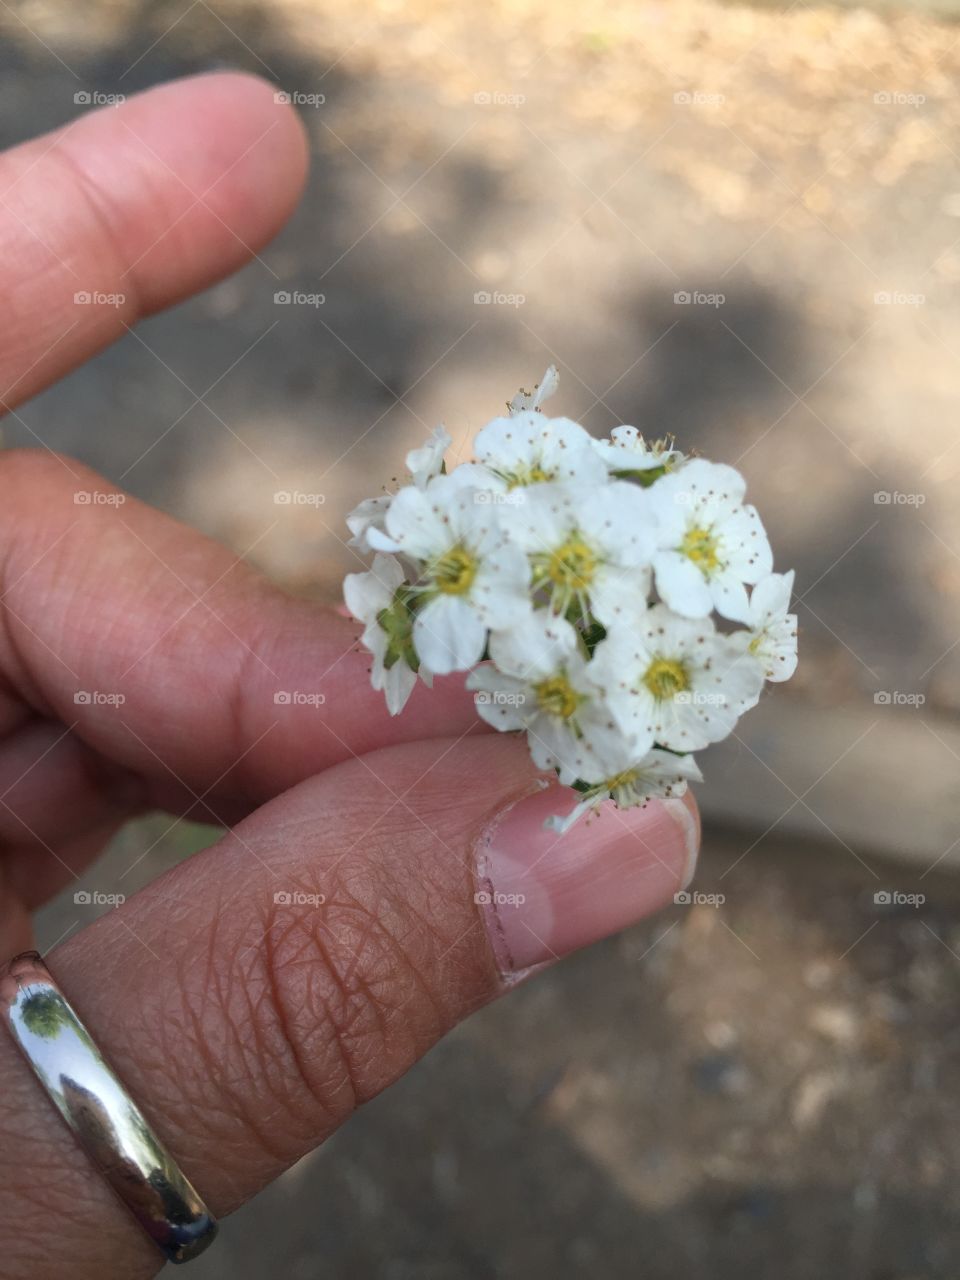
(104, 1119)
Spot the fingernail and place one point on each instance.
(544, 895)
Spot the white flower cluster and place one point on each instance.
(576, 580)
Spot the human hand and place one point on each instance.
(246, 1020)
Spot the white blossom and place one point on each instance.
(534, 399)
(529, 449)
(538, 681)
(674, 681)
(576, 581)
(626, 450)
(368, 514)
(371, 598)
(427, 461)
(772, 634)
(630, 781)
(589, 546)
(423, 464)
(469, 577)
(710, 543)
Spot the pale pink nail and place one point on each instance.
(544, 895)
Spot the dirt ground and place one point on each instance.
(762, 1088)
(735, 223)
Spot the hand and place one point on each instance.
(252, 997)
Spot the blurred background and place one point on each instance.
(738, 224)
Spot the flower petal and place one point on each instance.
(448, 635)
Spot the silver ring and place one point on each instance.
(104, 1119)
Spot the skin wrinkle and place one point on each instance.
(251, 1036)
(376, 1003)
(359, 1004)
(430, 990)
(215, 1005)
(272, 971)
(98, 203)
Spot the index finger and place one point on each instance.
(143, 204)
(171, 656)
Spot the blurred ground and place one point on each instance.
(762, 1088)
(621, 168)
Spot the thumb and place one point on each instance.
(252, 998)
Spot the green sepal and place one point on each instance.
(644, 478)
(592, 635)
(397, 621)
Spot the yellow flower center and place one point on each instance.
(665, 678)
(700, 546)
(571, 565)
(528, 475)
(756, 642)
(625, 779)
(557, 696)
(454, 571)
